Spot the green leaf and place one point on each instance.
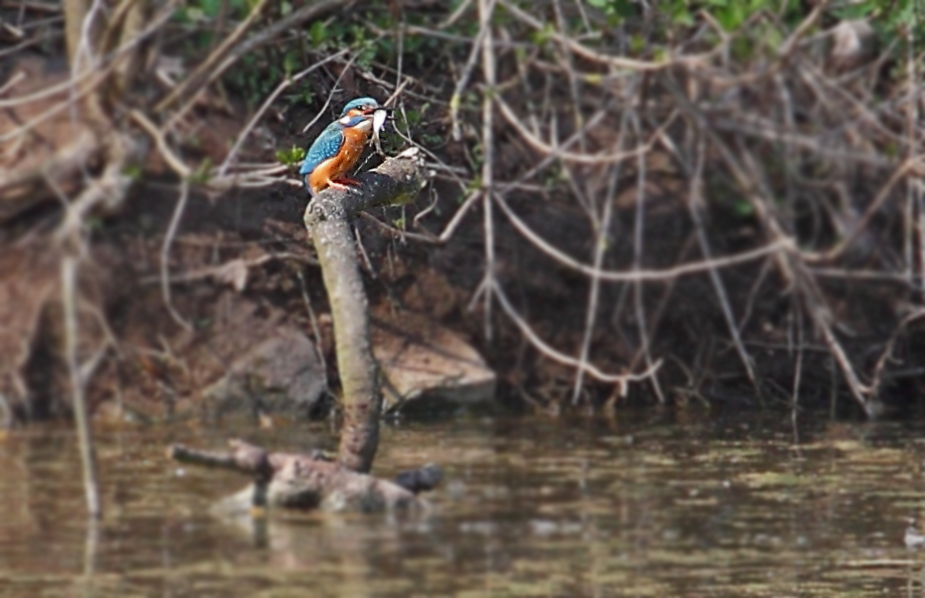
(290, 62)
(201, 174)
(743, 208)
(618, 9)
(543, 35)
(861, 10)
(291, 157)
(318, 34)
(210, 8)
(132, 171)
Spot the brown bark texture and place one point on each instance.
(327, 219)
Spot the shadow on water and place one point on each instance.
(644, 504)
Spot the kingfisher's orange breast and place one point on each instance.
(341, 163)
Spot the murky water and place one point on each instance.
(650, 505)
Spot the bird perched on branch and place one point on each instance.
(337, 149)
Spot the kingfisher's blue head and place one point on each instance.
(359, 106)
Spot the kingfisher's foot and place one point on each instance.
(344, 183)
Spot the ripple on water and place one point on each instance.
(640, 506)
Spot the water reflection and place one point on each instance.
(651, 504)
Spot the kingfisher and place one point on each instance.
(340, 145)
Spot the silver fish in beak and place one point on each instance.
(379, 118)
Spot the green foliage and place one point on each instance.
(318, 34)
(133, 171)
(731, 14)
(410, 118)
(291, 61)
(889, 18)
(260, 72)
(292, 157)
(366, 55)
(431, 139)
(616, 9)
(335, 35)
(541, 36)
(209, 10)
(742, 207)
(256, 78)
(201, 174)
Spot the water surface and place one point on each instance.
(647, 504)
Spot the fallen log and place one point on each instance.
(299, 481)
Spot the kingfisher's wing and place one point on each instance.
(324, 147)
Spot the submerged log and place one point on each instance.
(299, 481)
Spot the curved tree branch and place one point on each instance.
(327, 219)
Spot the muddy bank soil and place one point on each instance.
(210, 303)
(242, 325)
